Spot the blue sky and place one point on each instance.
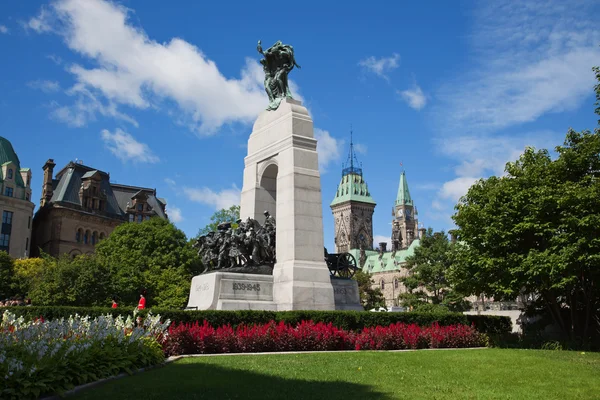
(165, 96)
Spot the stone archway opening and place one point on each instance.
(267, 195)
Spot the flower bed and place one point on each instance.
(46, 357)
(309, 336)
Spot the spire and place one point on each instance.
(403, 197)
(352, 186)
(352, 165)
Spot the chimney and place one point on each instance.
(47, 189)
(383, 246)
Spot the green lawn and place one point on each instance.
(454, 374)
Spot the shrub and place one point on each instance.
(491, 324)
(203, 338)
(46, 357)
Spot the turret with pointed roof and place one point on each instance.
(352, 208)
(405, 224)
(403, 197)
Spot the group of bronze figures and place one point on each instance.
(248, 244)
(277, 63)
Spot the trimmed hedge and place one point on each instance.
(491, 324)
(347, 320)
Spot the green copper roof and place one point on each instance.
(387, 263)
(352, 187)
(403, 197)
(7, 154)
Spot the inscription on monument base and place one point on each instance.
(231, 291)
(345, 294)
(247, 289)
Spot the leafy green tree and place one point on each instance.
(230, 214)
(6, 275)
(369, 297)
(28, 272)
(154, 256)
(66, 281)
(427, 281)
(536, 230)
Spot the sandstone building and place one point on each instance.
(353, 209)
(80, 207)
(15, 203)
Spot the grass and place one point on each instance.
(455, 374)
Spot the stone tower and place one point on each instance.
(405, 223)
(352, 208)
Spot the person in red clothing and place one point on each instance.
(114, 304)
(142, 303)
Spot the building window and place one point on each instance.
(7, 217)
(140, 207)
(396, 283)
(140, 217)
(86, 237)
(147, 217)
(382, 284)
(78, 236)
(94, 238)
(4, 241)
(26, 244)
(29, 223)
(27, 196)
(8, 192)
(99, 204)
(10, 173)
(131, 217)
(101, 235)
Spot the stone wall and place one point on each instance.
(392, 286)
(56, 231)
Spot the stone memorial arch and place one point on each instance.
(281, 176)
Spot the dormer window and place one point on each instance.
(8, 192)
(10, 173)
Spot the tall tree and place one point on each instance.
(152, 255)
(66, 281)
(536, 230)
(427, 281)
(369, 297)
(230, 214)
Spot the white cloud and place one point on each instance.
(219, 200)
(530, 58)
(170, 182)
(42, 23)
(134, 70)
(487, 154)
(126, 148)
(380, 66)
(55, 59)
(360, 148)
(456, 188)
(381, 238)
(87, 105)
(414, 97)
(328, 147)
(45, 86)
(174, 214)
(3, 29)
